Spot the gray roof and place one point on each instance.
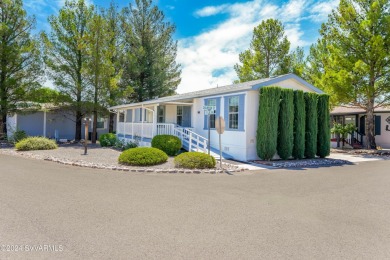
(349, 110)
(249, 85)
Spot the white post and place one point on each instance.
(190, 142)
(132, 123)
(142, 123)
(124, 124)
(154, 132)
(117, 122)
(44, 123)
(123, 128)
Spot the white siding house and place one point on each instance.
(183, 115)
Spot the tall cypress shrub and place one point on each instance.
(311, 125)
(286, 124)
(267, 130)
(299, 125)
(323, 138)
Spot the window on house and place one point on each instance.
(121, 117)
(100, 123)
(160, 114)
(212, 102)
(233, 112)
(179, 115)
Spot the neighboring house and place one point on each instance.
(357, 116)
(183, 115)
(51, 122)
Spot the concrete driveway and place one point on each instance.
(326, 213)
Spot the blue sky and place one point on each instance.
(211, 34)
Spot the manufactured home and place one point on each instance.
(357, 116)
(51, 122)
(185, 116)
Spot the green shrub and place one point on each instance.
(143, 156)
(194, 160)
(267, 130)
(170, 144)
(35, 143)
(299, 125)
(323, 137)
(107, 140)
(286, 124)
(311, 100)
(18, 135)
(123, 145)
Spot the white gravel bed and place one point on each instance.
(304, 163)
(104, 158)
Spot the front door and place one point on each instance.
(183, 116)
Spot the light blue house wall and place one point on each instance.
(59, 124)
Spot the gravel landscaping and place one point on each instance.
(303, 163)
(103, 158)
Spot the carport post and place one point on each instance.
(44, 123)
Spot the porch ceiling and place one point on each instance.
(148, 105)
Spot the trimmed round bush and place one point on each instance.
(143, 156)
(107, 140)
(170, 144)
(194, 160)
(35, 143)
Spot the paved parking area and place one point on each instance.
(338, 212)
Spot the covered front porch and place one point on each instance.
(142, 122)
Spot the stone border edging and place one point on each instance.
(230, 167)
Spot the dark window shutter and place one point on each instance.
(363, 125)
(377, 125)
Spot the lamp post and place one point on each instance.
(87, 120)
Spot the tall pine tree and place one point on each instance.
(150, 66)
(268, 54)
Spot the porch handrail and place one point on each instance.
(195, 141)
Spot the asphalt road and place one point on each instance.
(327, 213)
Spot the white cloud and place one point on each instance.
(208, 59)
(320, 10)
(211, 10)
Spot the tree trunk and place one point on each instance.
(94, 129)
(3, 125)
(79, 119)
(111, 123)
(370, 135)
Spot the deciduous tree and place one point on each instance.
(66, 55)
(20, 63)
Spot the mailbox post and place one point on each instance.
(86, 127)
(207, 111)
(220, 127)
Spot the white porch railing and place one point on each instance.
(190, 140)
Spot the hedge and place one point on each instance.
(299, 125)
(194, 160)
(170, 144)
(286, 124)
(267, 130)
(311, 125)
(108, 139)
(35, 143)
(143, 156)
(323, 138)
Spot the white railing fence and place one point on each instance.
(188, 137)
(192, 140)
